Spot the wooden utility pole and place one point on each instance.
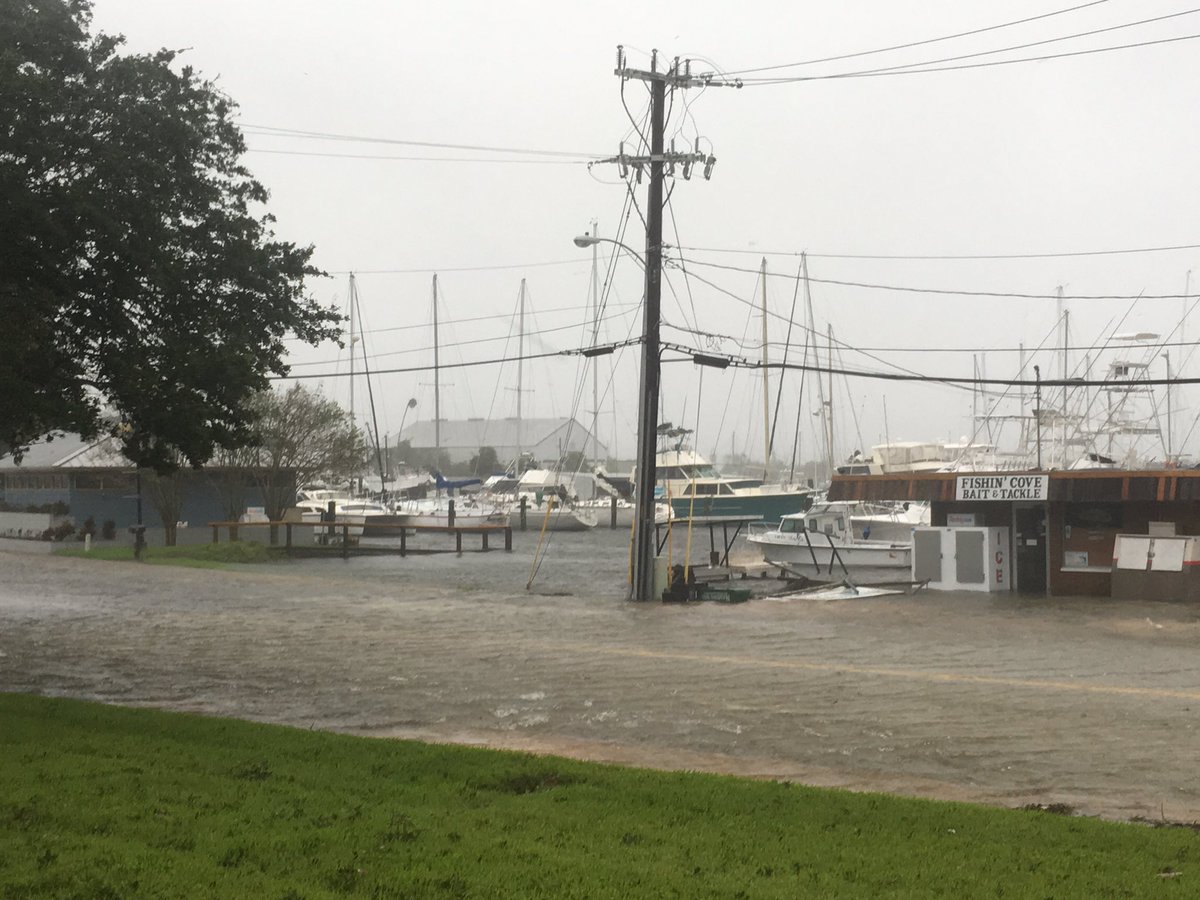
(677, 76)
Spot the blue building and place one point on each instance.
(93, 479)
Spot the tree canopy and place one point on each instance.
(142, 289)
(299, 436)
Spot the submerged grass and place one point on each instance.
(199, 556)
(106, 802)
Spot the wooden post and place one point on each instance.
(485, 539)
(233, 534)
(287, 531)
(508, 538)
(345, 542)
(404, 542)
(458, 541)
(612, 522)
(216, 534)
(524, 507)
(450, 517)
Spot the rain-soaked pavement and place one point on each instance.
(1000, 699)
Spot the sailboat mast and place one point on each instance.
(520, 373)
(437, 387)
(766, 377)
(824, 407)
(829, 327)
(353, 338)
(595, 338)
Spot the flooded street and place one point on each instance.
(998, 699)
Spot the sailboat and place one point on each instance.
(549, 504)
(438, 511)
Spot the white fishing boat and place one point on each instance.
(435, 512)
(893, 523)
(313, 504)
(820, 544)
(548, 501)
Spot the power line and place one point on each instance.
(449, 159)
(1053, 40)
(874, 73)
(273, 131)
(947, 37)
(489, 318)
(951, 292)
(949, 380)
(946, 256)
(451, 345)
(426, 270)
(462, 365)
(843, 345)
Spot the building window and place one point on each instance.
(41, 482)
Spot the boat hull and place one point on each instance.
(557, 520)
(876, 561)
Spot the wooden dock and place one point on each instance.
(334, 538)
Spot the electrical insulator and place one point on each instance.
(708, 167)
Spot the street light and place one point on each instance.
(590, 240)
(412, 404)
(642, 572)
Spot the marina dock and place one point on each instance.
(344, 538)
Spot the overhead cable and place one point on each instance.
(448, 159)
(874, 73)
(471, 364)
(1041, 43)
(952, 292)
(947, 256)
(273, 131)
(910, 44)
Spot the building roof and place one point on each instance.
(471, 434)
(68, 451)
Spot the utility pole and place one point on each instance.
(659, 164)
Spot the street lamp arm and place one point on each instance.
(590, 240)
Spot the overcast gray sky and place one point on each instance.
(1094, 152)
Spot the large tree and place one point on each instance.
(141, 287)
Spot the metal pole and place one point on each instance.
(595, 360)
(643, 531)
(1167, 359)
(766, 378)
(437, 387)
(1037, 412)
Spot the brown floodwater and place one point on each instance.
(992, 698)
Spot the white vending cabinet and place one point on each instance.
(962, 559)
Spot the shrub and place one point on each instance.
(108, 530)
(59, 532)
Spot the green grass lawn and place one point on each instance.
(199, 556)
(105, 802)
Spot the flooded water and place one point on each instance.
(998, 699)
